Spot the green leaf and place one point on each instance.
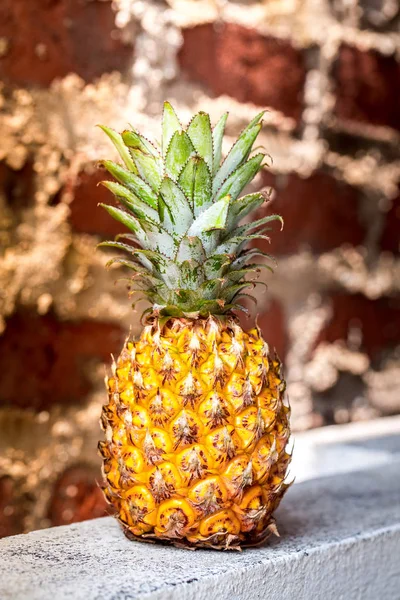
(240, 261)
(123, 151)
(199, 132)
(159, 239)
(234, 244)
(213, 218)
(216, 265)
(170, 310)
(210, 240)
(174, 209)
(240, 274)
(241, 177)
(186, 298)
(231, 291)
(195, 180)
(256, 119)
(134, 140)
(191, 276)
(218, 135)
(237, 155)
(241, 207)
(257, 267)
(264, 221)
(127, 263)
(243, 229)
(213, 307)
(211, 289)
(132, 181)
(125, 236)
(147, 168)
(131, 201)
(179, 150)
(146, 157)
(190, 248)
(118, 245)
(143, 282)
(156, 296)
(170, 124)
(167, 270)
(142, 259)
(128, 220)
(249, 297)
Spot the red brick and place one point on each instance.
(51, 38)
(378, 321)
(390, 240)
(320, 213)
(368, 87)
(77, 497)
(44, 361)
(85, 215)
(12, 513)
(242, 63)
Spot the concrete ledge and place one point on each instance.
(340, 540)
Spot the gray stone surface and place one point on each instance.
(340, 540)
(388, 443)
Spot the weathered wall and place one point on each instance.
(329, 71)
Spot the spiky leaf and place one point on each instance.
(174, 209)
(165, 268)
(147, 168)
(231, 291)
(195, 180)
(136, 141)
(191, 275)
(123, 151)
(213, 218)
(190, 249)
(139, 208)
(244, 229)
(170, 124)
(216, 265)
(199, 132)
(184, 210)
(129, 221)
(132, 182)
(240, 177)
(179, 150)
(118, 245)
(127, 263)
(237, 155)
(241, 207)
(218, 134)
(159, 239)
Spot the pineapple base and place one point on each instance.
(196, 430)
(219, 541)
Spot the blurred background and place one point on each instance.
(329, 73)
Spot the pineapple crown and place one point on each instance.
(182, 206)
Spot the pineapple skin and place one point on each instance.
(196, 432)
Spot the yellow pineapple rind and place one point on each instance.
(196, 431)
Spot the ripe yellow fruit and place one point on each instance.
(196, 422)
(196, 433)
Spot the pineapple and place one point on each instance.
(196, 425)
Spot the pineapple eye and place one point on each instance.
(174, 517)
(222, 522)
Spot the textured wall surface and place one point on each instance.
(329, 72)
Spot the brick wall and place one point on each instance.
(329, 73)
